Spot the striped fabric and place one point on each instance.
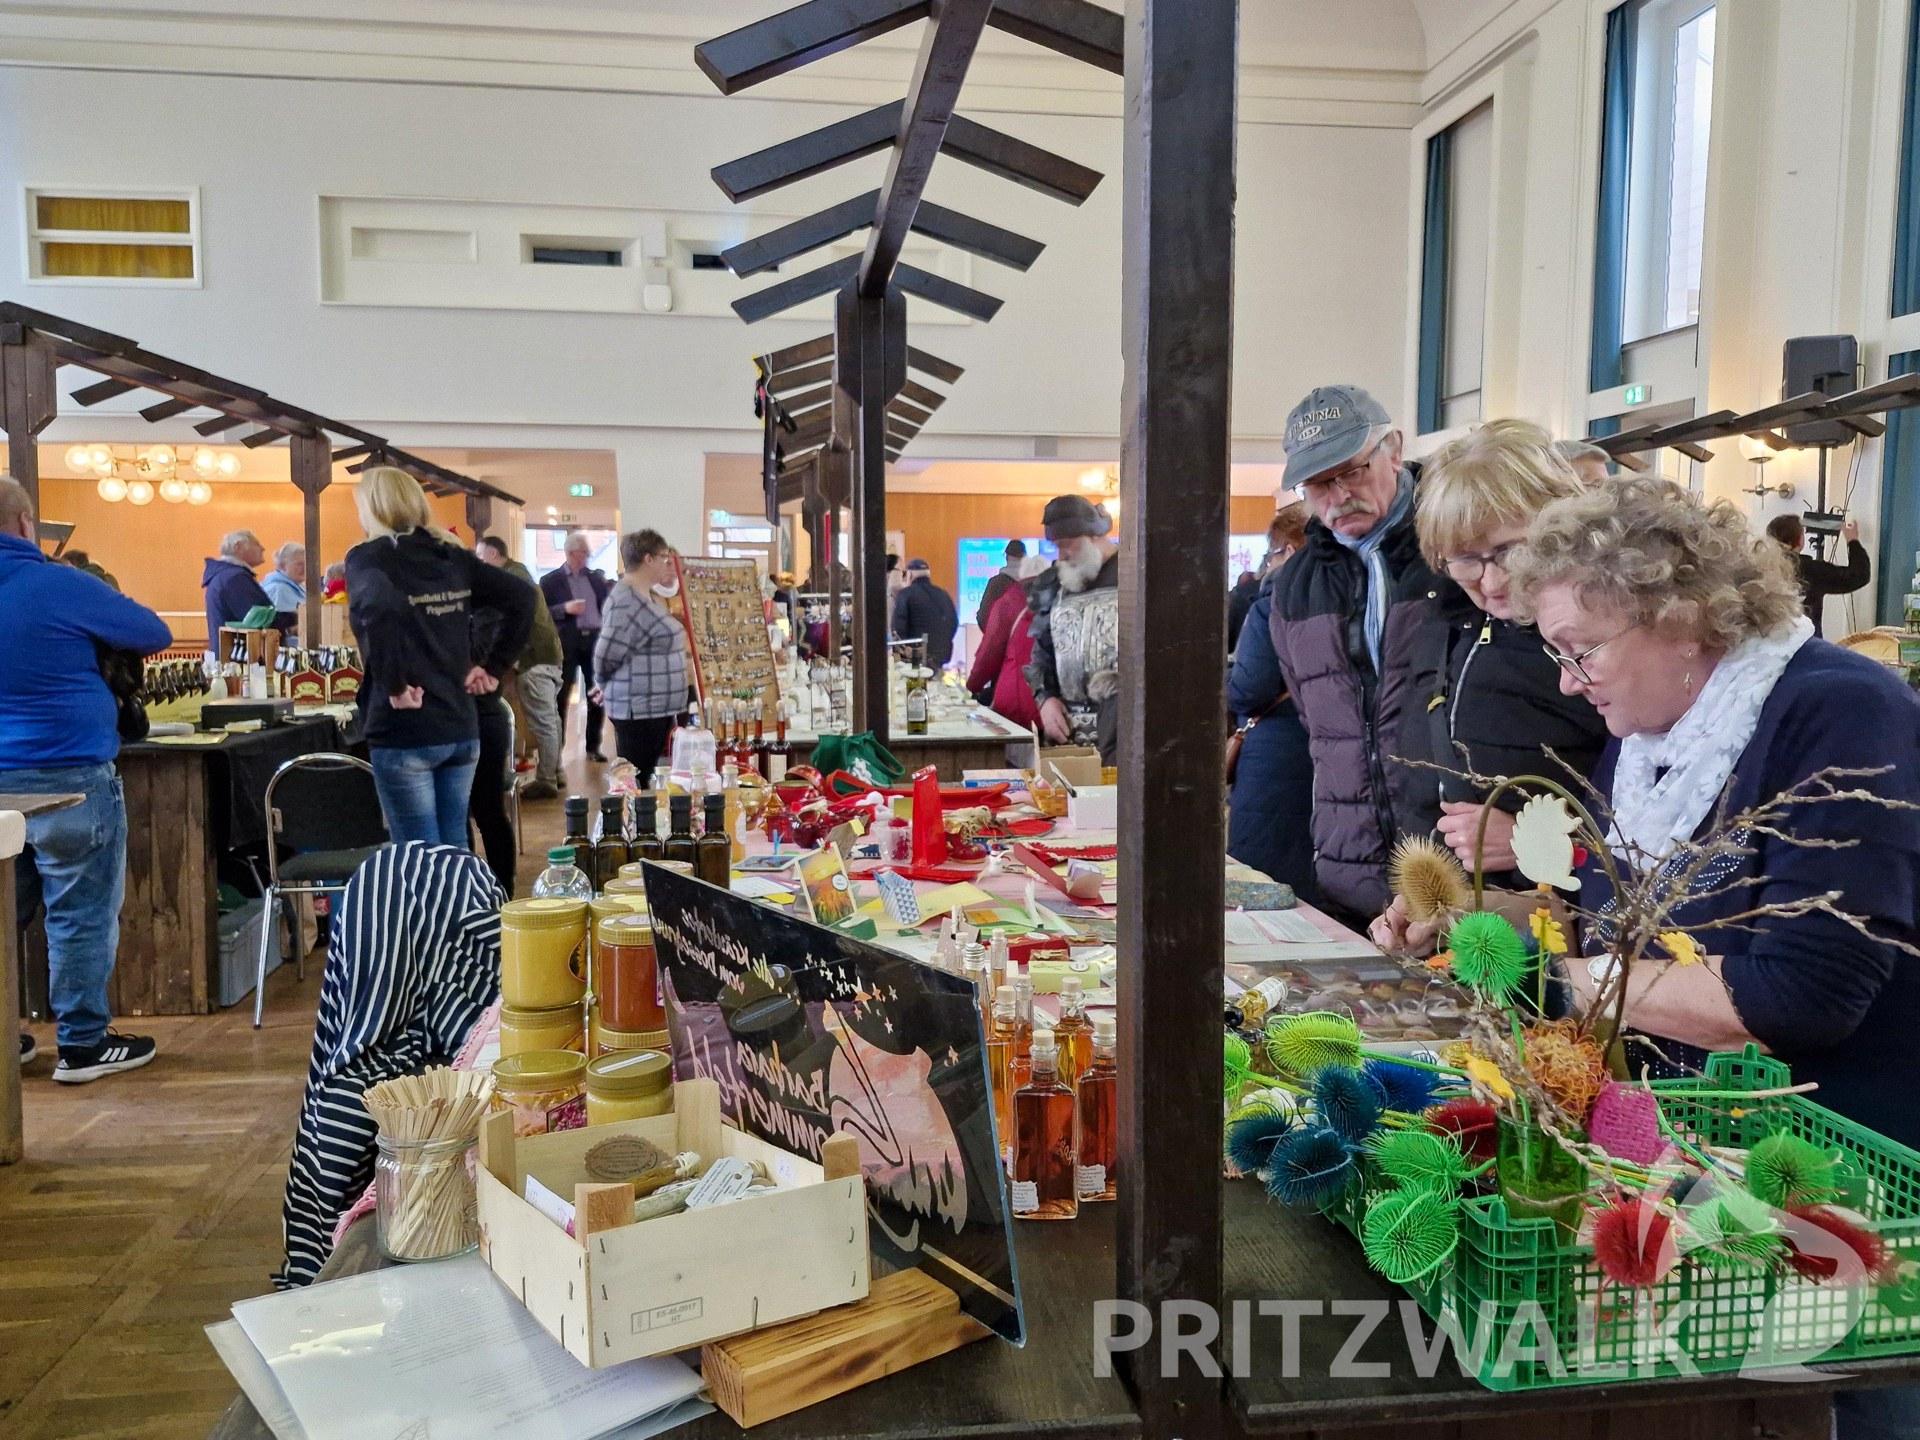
(413, 962)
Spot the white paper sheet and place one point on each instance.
(443, 1349)
(1287, 927)
(255, 1379)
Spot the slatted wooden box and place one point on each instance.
(668, 1284)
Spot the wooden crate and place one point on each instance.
(609, 1295)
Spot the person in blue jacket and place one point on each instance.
(231, 589)
(1270, 806)
(57, 736)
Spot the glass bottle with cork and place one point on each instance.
(1097, 1098)
(647, 844)
(680, 842)
(713, 851)
(1073, 1032)
(916, 698)
(610, 850)
(1043, 1141)
(973, 968)
(1000, 1065)
(1021, 1064)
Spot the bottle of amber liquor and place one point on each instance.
(1097, 1097)
(1073, 1033)
(999, 1054)
(1043, 1141)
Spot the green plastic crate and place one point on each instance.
(1510, 1277)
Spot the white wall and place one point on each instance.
(1322, 236)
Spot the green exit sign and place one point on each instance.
(1631, 395)
(588, 489)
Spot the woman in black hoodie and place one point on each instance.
(411, 592)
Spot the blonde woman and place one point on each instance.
(1485, 698)
(412, 589)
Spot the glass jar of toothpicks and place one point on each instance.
(423, 1171)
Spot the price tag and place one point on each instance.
(1089, 1179)
(1026, 1197)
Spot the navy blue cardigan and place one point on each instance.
(1835, 1005)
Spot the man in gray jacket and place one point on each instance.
(1075, 670)
(1344, 612)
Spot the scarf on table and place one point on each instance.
(1664, 785)
(1368, 548)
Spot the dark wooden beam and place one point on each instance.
(944, 371)
(870, 354)
(800, 375)
(1076, 28)
(911, 413)
(167, 409)
(819, 348)
(783, 42)
(946, 50)
(976, 237)
(1177, 344)
(797, 291)
(797, 405)
(1693, 451)
(949, 294)
(102, 390)
(1865, 424)
(262, 437)
(28, 402)
(1895, 393)
(921, 395)
(311, 468)
(218, 423)
(1000, 154)
(776, 247)
(351, 451)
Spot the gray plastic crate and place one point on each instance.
(240, 952)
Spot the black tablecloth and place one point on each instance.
(239, 767)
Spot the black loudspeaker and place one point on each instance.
(1828, 364)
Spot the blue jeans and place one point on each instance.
(75, 864)
(424, 790)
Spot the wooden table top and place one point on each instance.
(31, 805)
(1277, 1253)
(988, 1388)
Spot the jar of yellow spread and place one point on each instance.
(564, 1027)
(604, 1039)
(631, 871)
(629, 1085)
(543, 952)
(628, 889)
(543, 1088)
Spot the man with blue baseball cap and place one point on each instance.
(1343, 614)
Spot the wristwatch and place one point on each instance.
(1600, 968)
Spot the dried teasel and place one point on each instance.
(1425, 874)
(1567, 1064)
(1785, 1170)
(1409, 1233)
(1488, 954)
(1303, 1044)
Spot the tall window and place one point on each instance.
(1453, 276)
(1656, 133)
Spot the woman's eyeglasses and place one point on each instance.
(1574, 664)
(1473, 566)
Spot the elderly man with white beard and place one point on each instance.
(1075, 670)
(1344, 612)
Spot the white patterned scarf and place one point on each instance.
(1653, 811)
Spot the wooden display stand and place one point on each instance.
(619, 1290)
(719, 603)
(263, 646)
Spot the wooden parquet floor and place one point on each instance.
(149, 1202)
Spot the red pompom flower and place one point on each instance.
(1634, 1243)
(1818, 1259)
(1471, 1122)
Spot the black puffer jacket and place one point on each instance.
(1486, 698)
(1353, 716)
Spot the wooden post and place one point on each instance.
(479, 515)
(1177, 301)
(27, 403)
(870, 365)
(312, 460)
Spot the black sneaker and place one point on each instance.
(29, 1049)
(114, 1053)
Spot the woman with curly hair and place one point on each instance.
(1684, 628)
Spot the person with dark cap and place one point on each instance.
(1008, 574)
(923, 608)
(1343, 614)
(1075, 670)
(1821, 578)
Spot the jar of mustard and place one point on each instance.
(564, 1027)
(604, 1039)
(625, 888)
(543, 952)
(544, 1089)
(631, 871)
(626, 982)
(628, 1085)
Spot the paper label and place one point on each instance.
(1089, 1179)
(776, 766)
(1026, 1197)
(1272, 990)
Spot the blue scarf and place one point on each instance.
(1368, 547)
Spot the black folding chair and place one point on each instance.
(325, 806)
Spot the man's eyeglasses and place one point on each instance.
(1343, 477)
(1574, 664)
(1473, 566)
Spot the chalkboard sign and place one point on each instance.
(808, 1032)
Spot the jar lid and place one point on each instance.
(616, 902)
(552, 1015)
(552, 912)
(631, 1039)
(679, 867)
(627, 930)
(539, 1069)
(625, 888)
(628, 1074)
(630, 871)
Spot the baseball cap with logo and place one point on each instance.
(1332, 425)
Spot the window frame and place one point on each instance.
(32, 259)
(1436, 253)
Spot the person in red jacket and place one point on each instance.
(1006, 646)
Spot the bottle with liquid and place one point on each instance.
(997, 962)
(757, 747)
(610, 851)
(779, 750)
(1097, 1096)
(916, 703)
(579, 835)
(973, 967)
(1073, 1032)
(680, 843)
(713, 851)
(1043, 1141)
(1023, 1026)
(562, 877)
(693, 746)
(647, 844)
(999, 1053)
